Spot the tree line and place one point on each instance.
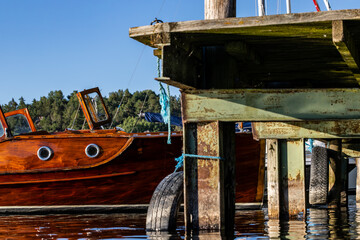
(57, 112)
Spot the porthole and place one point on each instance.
(92, 150)
(44, 153)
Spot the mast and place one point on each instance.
(261, 7)
(288, 6)
(327, 4)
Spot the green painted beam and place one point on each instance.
(307, 129)
(266, 105)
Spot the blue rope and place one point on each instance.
(310, 144)
(165, 109)
(165, 103)
(180, 160)
(202, 156)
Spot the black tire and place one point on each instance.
(319, 176)
(165, 203)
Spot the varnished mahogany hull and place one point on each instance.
(130, 177)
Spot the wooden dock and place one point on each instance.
(296, 75)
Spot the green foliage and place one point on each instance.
(134, 124)
(56, 113)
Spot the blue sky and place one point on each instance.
(77, 44)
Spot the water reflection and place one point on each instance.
(334, 223)
(88, 226)
(292, 229)
(318, 224)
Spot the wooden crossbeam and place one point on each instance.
(307, 129)
(266, 105)
(347, 46)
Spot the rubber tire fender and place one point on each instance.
(319, 176)
(165, 203)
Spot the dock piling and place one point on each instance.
(338, 180)
(286, 179)
(209, 183)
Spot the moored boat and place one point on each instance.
(99, 167)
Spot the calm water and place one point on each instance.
(321, 224)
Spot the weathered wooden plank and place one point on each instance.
(209, 177)
(347, 47)
(270, 104)
(349, 152)
(342, 129)
(209, 183)
(243, 67)
(273, 180)
(307, 129)
(173, 83)
(228, 25)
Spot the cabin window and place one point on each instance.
(95, 107)
(1, 130)
(18, 124)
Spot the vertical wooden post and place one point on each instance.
(358, 182)
(218, 68)
(338, 180)
(273, 178)
(217, 9)
(286, 178)
(210, 183)
(292, 195)
(191, 203)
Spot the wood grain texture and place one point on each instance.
(273, 180)
(286, 51)
(129, 178)
(218, 9)
(270, 104)
(229, 25)
(127, 171)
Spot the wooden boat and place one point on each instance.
(99, 167)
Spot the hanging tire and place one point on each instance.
(319, 176)
(165, 203)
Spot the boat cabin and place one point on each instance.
(19, 122)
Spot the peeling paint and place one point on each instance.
(271, 104)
